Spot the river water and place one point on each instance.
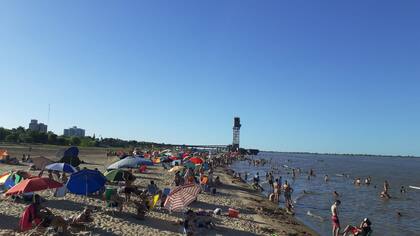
(357, 202)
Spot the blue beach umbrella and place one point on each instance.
(62, 167)
(86, 182)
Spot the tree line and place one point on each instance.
(22, 135)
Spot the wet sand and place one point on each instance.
(257, 215)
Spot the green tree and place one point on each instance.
(75, 141)
(13, 137)
(52, 138)
(3, 133)
(62, 141)
(26, 138)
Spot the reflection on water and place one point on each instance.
(357, 202)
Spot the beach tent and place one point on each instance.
(41, 162)
(182, 196)
(32, 185)
(61, 167)
(69, 156)
(86, 182)
(130, 162)
(119, 175)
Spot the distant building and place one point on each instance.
(74, 131)
(40, 127)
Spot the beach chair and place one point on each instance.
(109, 204)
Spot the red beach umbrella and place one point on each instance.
(196, 160)
(33, 185)
(173, 158)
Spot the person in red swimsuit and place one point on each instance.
(334, 218)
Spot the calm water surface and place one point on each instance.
(357, 202)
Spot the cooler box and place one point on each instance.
(233, 213)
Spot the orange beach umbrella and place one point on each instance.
(33, 185)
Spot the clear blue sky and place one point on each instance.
(320, 76)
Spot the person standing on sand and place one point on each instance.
(277, 190)
(288, 194)
(334, 218)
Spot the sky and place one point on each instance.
(313, 76)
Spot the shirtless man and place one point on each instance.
(334, 218)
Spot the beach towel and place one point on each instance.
(27, 217)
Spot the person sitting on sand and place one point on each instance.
(189, 223)
(141, 206)
(116, 201)
(217, 181)
(84, 217)
(363, 230)
(152, 188)
(50, 175)
(47, 217)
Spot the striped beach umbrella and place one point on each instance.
(182, 196)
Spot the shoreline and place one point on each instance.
(269, 216)
(257, 216)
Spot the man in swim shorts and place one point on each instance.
(334, 218)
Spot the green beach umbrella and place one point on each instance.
(119, 175)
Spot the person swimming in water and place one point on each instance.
(336, 195)
(326, 178)
(402, 189)
(368, 180)
(357, 181)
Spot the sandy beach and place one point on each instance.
(257, 215)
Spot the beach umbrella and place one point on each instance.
(32, 185)
(69, 156)
(62, 167)
(86, 182)
(11, 179)
(182, 196)
(119, 175)
(4, 177)
(40, 162)
(130, 162)
(196, 160)
(176, 168)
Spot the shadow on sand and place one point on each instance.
(9, 222)
(64, 205)
(149, 221)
